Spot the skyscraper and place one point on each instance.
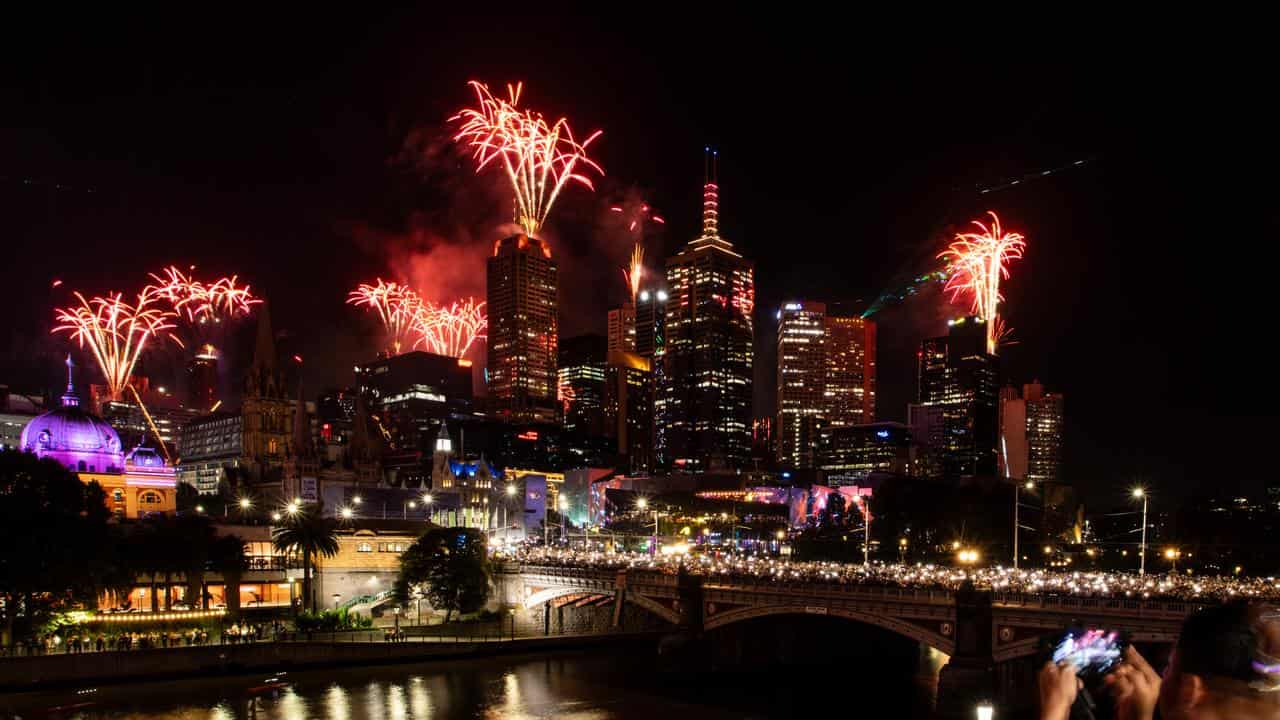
(705, 404)
(523, 329)
(1031, 433)
(826, 377)
(412, 392)
(622, 328)
(651, 321)
(802, 371)
(958, 377)
(850, 393)
(202, 379)
(582, 373)
(629, 409)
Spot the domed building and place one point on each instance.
(137, 483)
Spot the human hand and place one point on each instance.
(1135, 687)
(1058, 688)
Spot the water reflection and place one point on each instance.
(579, 686)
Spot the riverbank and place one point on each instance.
(74, 670)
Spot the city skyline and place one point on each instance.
(1090, 282)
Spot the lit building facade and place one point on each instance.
(622, 328)
(651, 321)
(629, 410)
(582, 375)
(523, 329)
(1031, 433)
(850, 393)
(801, 378)
(704, 407)
(137, 482)
(851, 453)
(960, 378)
(412, 392)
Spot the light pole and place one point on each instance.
(1172, 555)
(1142, 551)
(427, 499)
(1030, 486)
(405, 507)
(506, 529)
(866, 531)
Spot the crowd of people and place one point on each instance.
(1028, 581)
(76, 642)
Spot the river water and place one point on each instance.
(586, 685)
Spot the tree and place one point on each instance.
(450, 566)
(194, 534)
(313, 535)
(57, 544)
(227, 558)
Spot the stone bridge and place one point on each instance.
(989, 635)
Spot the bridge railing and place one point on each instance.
(1173, 609)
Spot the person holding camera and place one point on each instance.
(1225, 665)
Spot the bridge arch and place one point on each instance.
(934, 640)
(550, 594)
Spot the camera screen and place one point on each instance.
(1095, 650)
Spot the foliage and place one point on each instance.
(59, 549)
(450, 567)
(331, 620)
(310, 533)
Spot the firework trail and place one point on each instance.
(115, 331)
(637, 220)
(201, 304)
(540, 158)
(634, 273)
(977, 262)
(450, 330)
(397, 305)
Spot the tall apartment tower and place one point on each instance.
(704, 407)
(523, 329)
(850, 394)
(802, 379)
(958, 392)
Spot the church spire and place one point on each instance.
(301, 427)
(70, 398)
(264, 352)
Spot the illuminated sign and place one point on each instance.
(882, 433)
(528, 435)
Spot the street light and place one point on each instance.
(1172, 555)
(245, 503)
(427, 499)
(347, 513)
(199, 509)
(1139, 492)
(275, 516)
(985, 711)
(356, 500)
(292, 508)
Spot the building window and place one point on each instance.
(117, 495)
(150, 498)
(364, 547)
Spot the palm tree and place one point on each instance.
(311, 534)
(194, 535)
(227, 558)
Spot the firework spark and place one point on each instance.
(977, 262)
(636, 221)
(634, 273)
(115, 331)
(398, 306)
(450, 330)
(540, 158)
(200, 303)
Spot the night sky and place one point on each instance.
(308, 154)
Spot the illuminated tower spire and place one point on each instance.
(70, 398)
(710, 195)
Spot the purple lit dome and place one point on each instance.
(74, 438)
